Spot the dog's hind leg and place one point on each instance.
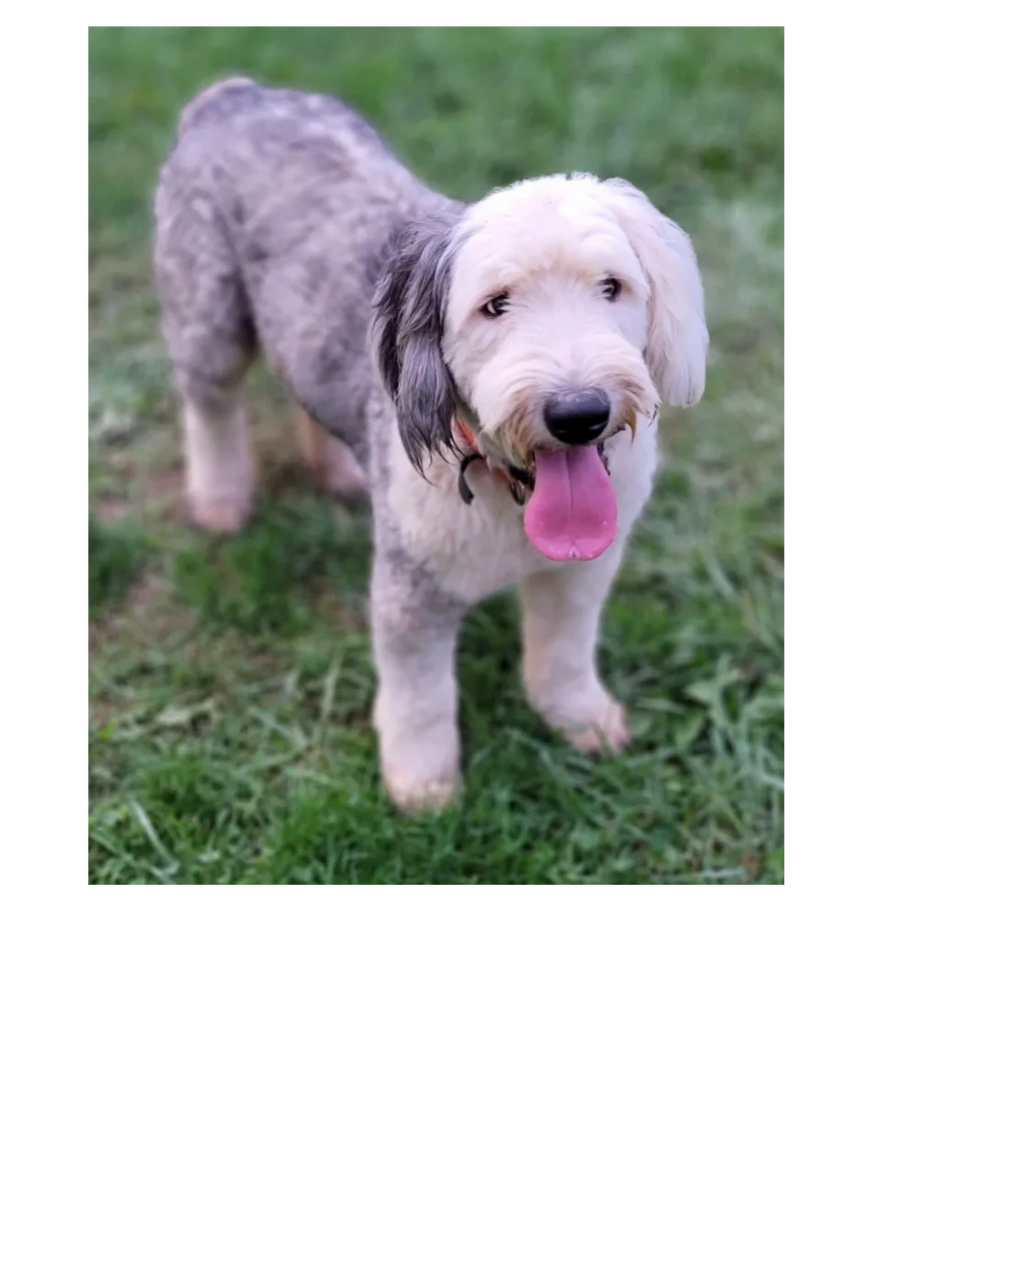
(220, 474)
(210, 337)
(560, 620)
(332, 462)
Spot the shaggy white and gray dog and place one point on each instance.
(494, 371)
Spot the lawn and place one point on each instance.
(231, 682)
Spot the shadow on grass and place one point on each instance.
(117, 553)
(266, 578)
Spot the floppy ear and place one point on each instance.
(406, 327)
(677, 338)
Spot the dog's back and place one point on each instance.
(274, 211)
(263, 139)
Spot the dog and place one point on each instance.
(492, 372)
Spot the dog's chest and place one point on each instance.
(473, 550)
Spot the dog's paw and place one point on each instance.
(224, 515)
(419, 753)
(607, 732)
(413, 797)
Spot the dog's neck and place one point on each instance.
(519, 481)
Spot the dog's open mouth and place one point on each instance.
(572, 514)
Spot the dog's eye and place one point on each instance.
(495, 307)
(611, 288)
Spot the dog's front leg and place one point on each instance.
(560, 620)
(415, 714)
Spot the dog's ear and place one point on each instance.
(677, 338)
(406, 328)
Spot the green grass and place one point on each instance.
(231, 681)
(116, 555)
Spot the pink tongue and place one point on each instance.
(572, 514)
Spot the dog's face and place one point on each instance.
(550, 315)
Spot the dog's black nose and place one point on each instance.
(577, 416)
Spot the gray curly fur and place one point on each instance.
(275, 214)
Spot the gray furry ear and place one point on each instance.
(406, 327)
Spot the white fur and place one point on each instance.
(677, 337)
(549, 245)
(560, 620)
(415, 712)
(474, 551)
(219, 472)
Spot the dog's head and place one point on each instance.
(550, 315)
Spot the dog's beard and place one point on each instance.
(572, 513)
(520, 432)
